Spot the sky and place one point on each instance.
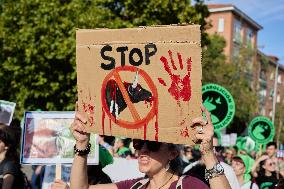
(270, 15)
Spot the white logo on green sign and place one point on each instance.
(261, 130)
(220, 103)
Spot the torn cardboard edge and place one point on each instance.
(149, 34)
(156, 42)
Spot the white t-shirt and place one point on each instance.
(231, 176)
(247, 186)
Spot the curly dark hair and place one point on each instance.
(8, 137)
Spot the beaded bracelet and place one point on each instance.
(82, 152)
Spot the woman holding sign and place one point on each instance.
(159, 161)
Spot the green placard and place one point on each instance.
(261, 130)
(220, 103)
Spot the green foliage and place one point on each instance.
(37, 41)
(233, 76)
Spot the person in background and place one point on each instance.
(159, 161)
(121, 149)
(271, 151)
(198, 169)
(105, 144)
(230, 153)
(37, 176)
(11, 176)
(187, 155)
(266, 176)
(242, 166)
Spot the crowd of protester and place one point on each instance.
(243, 169)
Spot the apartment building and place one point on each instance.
(271, 77)
(240, 31)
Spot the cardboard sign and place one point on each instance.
(6, 111)
(220, 103)
(261, 130)
(47, 139)
(140, 82)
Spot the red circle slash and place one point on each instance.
(138, 122)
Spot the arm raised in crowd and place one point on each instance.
(79, 177)
(256, 163)
(206, 148)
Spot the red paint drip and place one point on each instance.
(151, 100)
(91, 108)
(85, 109)
(90, 95)
(110, 124)
(145, 131)
(146, 103)
(182, 122)
(156, 129)
(103, 120)
(184, 132)
(162, 81)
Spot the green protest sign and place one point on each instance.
(245, 143)
(220, 103)
(261, 130)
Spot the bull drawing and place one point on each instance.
(115, 100)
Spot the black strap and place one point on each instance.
(251, 183)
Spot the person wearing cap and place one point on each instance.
(242, 165)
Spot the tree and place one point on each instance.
(233, 76)
(38, 42)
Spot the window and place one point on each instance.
(237, 31)
(221, 25)
(271, 76)
(262, 111)
(236, 50)
(279, 79)
(249, 38)
(278, 98)
(263, 92)
(271, 93)
(270, 113)
(262, 74)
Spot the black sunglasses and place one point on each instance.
(152, 146)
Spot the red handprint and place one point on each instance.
(180, 88)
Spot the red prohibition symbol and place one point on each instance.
(122, 88)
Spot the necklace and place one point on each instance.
(166, 182)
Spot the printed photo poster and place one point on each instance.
(47, 139)
(142, 83)
(6, 111)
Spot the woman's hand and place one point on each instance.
(59, 184)
(205, 132)
(263, 157)
(79, 132)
